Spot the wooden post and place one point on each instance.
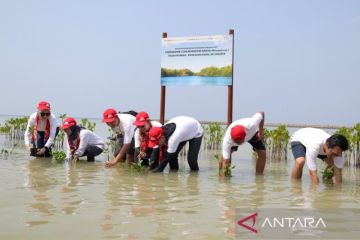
(230, 87)
(162, 96)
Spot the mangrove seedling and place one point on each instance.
(59, 156)
(327, 174)
(228, 168)
(84, 122)
(137, 166)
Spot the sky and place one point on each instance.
(299, 61)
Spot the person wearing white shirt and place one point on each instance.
(142, 149)
(244, 130)
(81, 141)
(121, 124)
(41, 131)
(169, 139)
(308, 144)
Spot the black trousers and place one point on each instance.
(192, 157)
(91, 152)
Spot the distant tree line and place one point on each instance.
(208, 71)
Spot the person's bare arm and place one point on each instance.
(337, 175)
(121, 155)
(223, 164)
(314, 177)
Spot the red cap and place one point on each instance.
(238, 132)
(141, 119)
(68, 122)
(155, 134)
(43, 105)
(109, 115)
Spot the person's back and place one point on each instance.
(310, 137)
(186, 128)
(81, 141)
(171, 138)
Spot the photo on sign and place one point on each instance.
(203, 60)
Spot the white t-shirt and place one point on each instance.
(87, 138)
(41, 127)
(313, 140)
(126, 127)
(186, 128)
(251, 126)
(137, 133)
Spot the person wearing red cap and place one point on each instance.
(244, 130)
(81, 141)
(144, 124)
(41, 131)
(168, 141)
(122, 124)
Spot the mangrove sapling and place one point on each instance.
(15, 128)
(137, 166)
(356, 142)
(107, 150)
(84, 122)
(110, 144)
(213, 134)
(352, 156)
(59, 142)
(228, 168)
(59, 156)
(327, 174)
(5, 152)
(279, 141)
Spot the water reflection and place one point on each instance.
(40, 181)
(133, 199)
(70, 198)
(126, 205)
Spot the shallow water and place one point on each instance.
(44, 200)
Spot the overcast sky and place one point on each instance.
(299, 61)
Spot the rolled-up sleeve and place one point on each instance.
(226, 149)
(339, 162)
(311, 156)
(84, 140)
(256, 119)
(28, 134)
(137, 138)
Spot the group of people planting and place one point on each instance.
(138, 138)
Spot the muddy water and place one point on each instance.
(44, 200)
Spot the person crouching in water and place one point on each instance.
(169, 139)
(45, 128)
(141, 137)
(122, 125)
(249, 130)
(308, 144)
(81, 141)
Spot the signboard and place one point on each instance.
(201, 60)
